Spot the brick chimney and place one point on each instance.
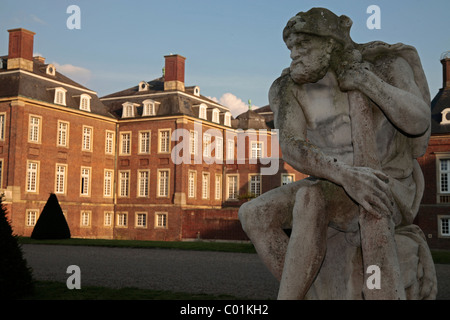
(174, 72)
(446, 72)
(20, 52)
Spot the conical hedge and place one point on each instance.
(51, 223)
(16, 279)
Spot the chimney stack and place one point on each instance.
(446, 72)
(20, 52)
(174, 72)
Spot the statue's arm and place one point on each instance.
(366, 186)
(398, 96)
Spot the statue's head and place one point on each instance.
(311, 37)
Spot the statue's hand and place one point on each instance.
(370, 189)
(353, 76)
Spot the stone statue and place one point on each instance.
(354, 117)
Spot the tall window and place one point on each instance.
(2, 126)
(255, 184)
(85, 102)
(109, 142)
(87, 138)
(256, 150)
(444, 226)
(215, 115)
(85, 181)
(144, 142)
(63, 133)
(444, 172)
(232, 186)
(85, 218)
(193, 141)
(191, 184)
(227, 119)
(164, 141)
(219, 148)
(143, 181)
(60, 96)
(122, 219)
(125, 143)
(124, 183)
(107, 220)
(1, 173)
(161, 220)
(230, 149)
(207, 145)
(202, 112)
(218, 187)
(107, 183)
(32, 216)
(60, 179)
(149, 108)
(205, 185)
(163, 183)
(34, 133)
(32, 176)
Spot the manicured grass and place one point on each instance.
(51, 290)
(180, 245)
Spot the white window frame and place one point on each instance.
(85, 218)
(32, 176)
(206, 145)
(192, 184)
(88, 138)
(108, 217)
(285, 176)
(124, 183)
(145, 142)
(129, 110)
(34, 129)
(149, 108)
(202, 112)
(109, 142)
(161, 220)
(255, 184)
(444, 226)
(256, 150)
(218, 147)
(62, 139)
(218, 187)
(230, 149)
(227, 119)
(122, 219)
(85, 102)
(125, 143)
(60, 96)
(108, 178)
(85, 182)
(2, 125)
(193, 142)
(60, 178)
(205, 185)
(141, 220)
(163, 183)
(164, 140)
(31, 217)
(143, 186)
(215, 115)
(234, 195)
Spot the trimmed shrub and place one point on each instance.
(16, 279)
(51, 223)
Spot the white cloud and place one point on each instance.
(78, 74)
(235, 104)
(36, 19)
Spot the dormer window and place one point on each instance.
(85, 102)
(445, 116)
(129, 110)
(50, 70)
(60, 96)
(149, 108)
(197, 91)
(215, 116)
(227, 119)
(202, 112)
(143, 86)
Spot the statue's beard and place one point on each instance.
(302, 72)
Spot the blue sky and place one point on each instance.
(234, 49)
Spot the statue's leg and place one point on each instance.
(307, 244)
(263, 219)
(317, 206)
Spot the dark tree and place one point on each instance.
(51, 223)
(16, 279)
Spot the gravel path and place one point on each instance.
(237, 274)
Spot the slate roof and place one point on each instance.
(439, 103)
(37, 85)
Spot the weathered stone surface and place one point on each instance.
(354, 117)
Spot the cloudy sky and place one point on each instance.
(234, 48)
